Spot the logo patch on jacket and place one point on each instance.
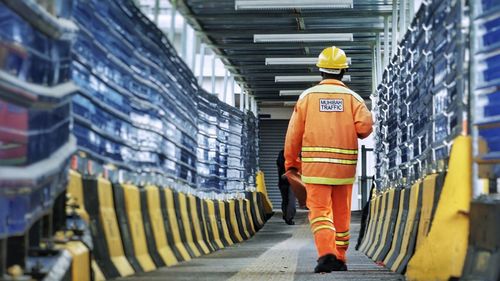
(331, 105)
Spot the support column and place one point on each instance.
(184, 36)
(202, 63)
(173, 13)
(394, 31)
(241, 98)
(156, 11)
(387, 55)
(232, 101)
(402, 19)
(224, 92)
(378, 59)
(213, 73)
(194, 51)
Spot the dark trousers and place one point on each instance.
(287, 202)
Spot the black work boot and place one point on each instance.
(329, 263)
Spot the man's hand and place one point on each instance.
(298, 187)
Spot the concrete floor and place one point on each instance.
(276, 252)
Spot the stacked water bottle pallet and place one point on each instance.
(108, 84)
(35, 117)
(487, 88)
(419, 103)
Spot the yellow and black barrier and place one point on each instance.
(408, 230)
(148, 228)
(184, 224)
(136, 229)
(223, 225)
(256, 210)
(81, 261)
(213, 225)
(198, 225)
(108, 248)
(123, 223)
(205, 225)
(177, 230)
(389, 225)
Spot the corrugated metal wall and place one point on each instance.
(272, 139)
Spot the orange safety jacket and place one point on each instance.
(322, 136)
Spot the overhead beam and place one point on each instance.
(262, 46)
(358, 12)
(218, 33)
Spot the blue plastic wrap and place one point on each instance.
(419, 111)
(131, 100)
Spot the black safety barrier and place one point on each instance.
(374, 217)
(225, 236)
(182, 227)
(148, 229)
(177, 248)
(377, 223)
(222, 209)
(101, 251)
(185, 212)
(136, 226)
(411, 233)
(196, 222)
(380, 224)
(230, 214)
(248, 216)
(123, 223)
(258, 196)
(157, 223)
(400, 226)
(254, 210)
(81, 260)
(438, 189)
(212, 226)
(205, 225)
(389, 235)
(242, 218)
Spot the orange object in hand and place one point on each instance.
(298, 187)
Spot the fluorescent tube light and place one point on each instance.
(291, 92)
(292, 4)
(289, 103)
(292, 61)
(302, 37)
(304, 78)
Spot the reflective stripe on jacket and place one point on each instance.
(322, 136)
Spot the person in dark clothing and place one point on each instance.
(287, 196)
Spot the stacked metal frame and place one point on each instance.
(421, 103)
(486, 91)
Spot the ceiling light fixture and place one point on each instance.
(302, 37)
(304, 78)
(291, 93)
(292, 61)
(292, 4)
(289, 103)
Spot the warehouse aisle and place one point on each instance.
(277, 252)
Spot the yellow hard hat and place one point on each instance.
(332, 58)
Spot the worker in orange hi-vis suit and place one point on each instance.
(322, 144)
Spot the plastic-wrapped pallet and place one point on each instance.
(34, 111)
(419, 104)
(487, 88)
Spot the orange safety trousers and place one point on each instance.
(330, 217)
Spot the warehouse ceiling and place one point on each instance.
(230, 33)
